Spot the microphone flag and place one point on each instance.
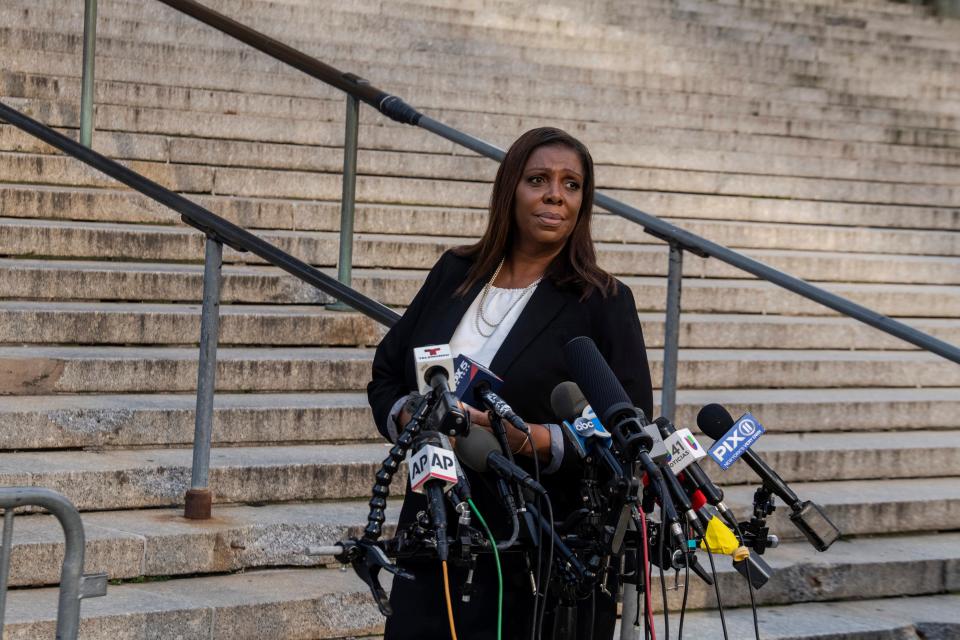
(735, 442)
(431, 462)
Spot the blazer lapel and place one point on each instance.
(447, 321)
(541, 309)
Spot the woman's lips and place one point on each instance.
(550, 219)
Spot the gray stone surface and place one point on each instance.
(56, 369)
(867, 507)
(885, 619)
(138, 478)
(68, 421)
(819, 137)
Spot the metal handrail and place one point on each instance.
(203, 219)
(396, 109)
(74, 586)
(199, 498)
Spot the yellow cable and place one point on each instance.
(446, 591)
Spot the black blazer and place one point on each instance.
(530, 361)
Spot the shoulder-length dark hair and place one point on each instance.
(576, 264)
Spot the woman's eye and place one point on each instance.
(535, 179)
(572, 185)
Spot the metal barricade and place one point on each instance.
(74, 586)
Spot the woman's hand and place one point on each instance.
(517, 440)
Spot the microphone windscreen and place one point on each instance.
(714, 421)
(473, 448)
(697, 500)
(594, 377)
(567, 401)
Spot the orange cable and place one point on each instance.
(446, 591)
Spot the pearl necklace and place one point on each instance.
(481, 317)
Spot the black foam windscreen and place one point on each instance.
(595, 378)
(473, 448)
(567, 401)
(714, 421)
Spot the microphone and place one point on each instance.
(469, 376)
(732, 441)
(480, 451)
(433, 470)
(580, 424)
(434, 366)
(692, 472)
(477, 386)
(625, 421)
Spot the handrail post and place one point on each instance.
(671, 333)
(74, 586)
(86, 83)
(5, 553)
(348, 197)
(199, 499)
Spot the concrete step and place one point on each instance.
(112, 421)
(429, 97)
(271, 325)
(931, 617)
(310, 603)
(142, 478)
(822, 457)
(807, 410)
(87, 280)
(39, 370)
(862, 507)
(819, 227)
(644, 62)
(70, 239)
(161, 542)
(371, 21)
(164, 324)
(445, 180)
(319, 119)
(149, 119)
(289, 603)
(860, 569)
(414, 160)
(929, 32)
(502, 16)
(138, 420)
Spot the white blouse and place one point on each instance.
(496, 308)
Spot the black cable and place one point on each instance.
(546, 578)
(539, 575)
(683, 606)
(753, 603)
(716, 588)
(663, 583)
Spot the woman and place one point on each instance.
(511, 301)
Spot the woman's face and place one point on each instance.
(548, 197)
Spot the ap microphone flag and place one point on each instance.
(431, 462)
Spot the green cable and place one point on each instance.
(496, 558)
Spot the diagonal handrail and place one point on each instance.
(396, 109)
(203, 219)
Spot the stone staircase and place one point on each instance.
(821, 137)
